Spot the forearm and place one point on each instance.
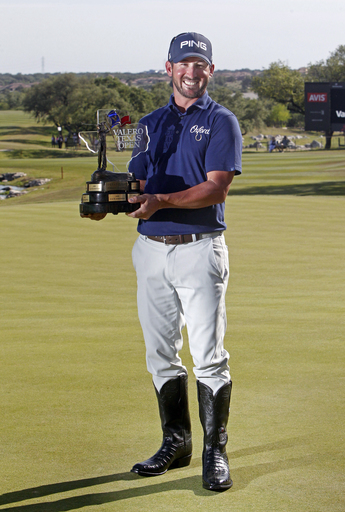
(208, 193)
(205, 194)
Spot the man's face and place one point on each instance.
(190, 76)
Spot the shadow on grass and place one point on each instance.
(46, 153)
(30, 130)
(325, 188)
(242, 477)
(28, 142)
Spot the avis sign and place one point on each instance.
(320, 97)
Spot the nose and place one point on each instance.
(192, 70)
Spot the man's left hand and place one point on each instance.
(149, 204)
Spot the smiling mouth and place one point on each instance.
(191, 83)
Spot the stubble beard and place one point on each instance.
(190, 94)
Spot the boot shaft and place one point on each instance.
(214, 413)
(173, 406)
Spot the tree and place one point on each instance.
(250, 113)
(246, 83)
(333, 70)
(283, 85)
(71, 101)
(160, 92)
(11, 100)
(133, 101)
(63, 100)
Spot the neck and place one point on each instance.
(181, 102)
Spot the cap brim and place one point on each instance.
(192, 54)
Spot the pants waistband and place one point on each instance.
(183, 239)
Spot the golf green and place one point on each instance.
(78, 406)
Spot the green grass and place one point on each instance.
(296, 173)
(78, 408)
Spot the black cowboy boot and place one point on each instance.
(176, 450)
(214, 414)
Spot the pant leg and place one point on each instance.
(159, 309)
(200, 278)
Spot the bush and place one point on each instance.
(279, 116)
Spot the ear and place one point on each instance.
(211, 70)
(168, 67)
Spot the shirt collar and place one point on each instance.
(201, 103)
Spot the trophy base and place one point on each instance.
(114, 208)
(108, 192)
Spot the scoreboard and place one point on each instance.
(324, 106)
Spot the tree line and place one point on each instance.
(71, 100)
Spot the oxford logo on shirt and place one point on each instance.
(199, 131)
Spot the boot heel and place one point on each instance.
(182, 462)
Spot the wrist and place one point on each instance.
(160, 200)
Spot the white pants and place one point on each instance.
(182, 285)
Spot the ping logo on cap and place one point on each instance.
(191, 43)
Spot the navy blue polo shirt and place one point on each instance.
(183, 148)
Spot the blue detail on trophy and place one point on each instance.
(114, 118)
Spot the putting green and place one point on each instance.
(78, 407)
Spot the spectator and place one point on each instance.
(272, 144)
(285, 142)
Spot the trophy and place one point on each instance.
(109, 191)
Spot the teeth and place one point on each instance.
(190, 83)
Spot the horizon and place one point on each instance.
(147, 71)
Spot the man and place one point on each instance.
(181, 258)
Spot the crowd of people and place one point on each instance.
(59, 141)
(280, 146)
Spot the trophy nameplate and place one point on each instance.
(94, 187)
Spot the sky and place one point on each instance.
(97, 36)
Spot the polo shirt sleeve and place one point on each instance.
(224, 152)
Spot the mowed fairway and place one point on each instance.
(78, 407)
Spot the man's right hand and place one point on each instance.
(94, 216)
